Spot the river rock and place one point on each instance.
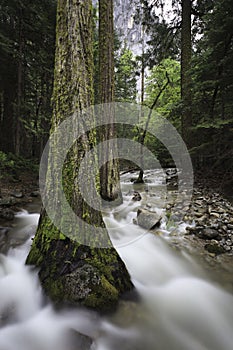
(8, 201)
(214, 248)
(208, 233)
(17, 194)
(148, 219)
(136, 196)
(6, 214)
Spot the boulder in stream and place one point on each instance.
(148, 219)
(136, 196)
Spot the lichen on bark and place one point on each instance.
(109, 173)
(69, 271)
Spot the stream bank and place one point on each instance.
(17, 192)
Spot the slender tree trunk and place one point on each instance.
(73, 272)
(109, 172)
(19, 87)
(186, 54)
(141, 117)
(143, 66)
(7, 118)
(142, 137)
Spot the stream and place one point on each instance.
(180, 308)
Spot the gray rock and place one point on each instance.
(147, 219)
(17, 194)
(8, 201)
(214, 248)
(227, 248)
(136, 196)
(208, 233)
(6, 214)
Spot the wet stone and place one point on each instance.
(147, 219)
(136, 196)
(8, 201)
(214, 248)
(17, 194)
(208, 233)
(6, 214)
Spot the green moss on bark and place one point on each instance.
(71, 272)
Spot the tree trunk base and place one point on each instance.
(75, 274)
(140, 178)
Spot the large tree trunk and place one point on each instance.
(71, 271)
(186, 52)
(109, 172)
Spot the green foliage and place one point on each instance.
(213, 85)
(171, 95)
(163, 38)
(126, 76)
(10, 163)
(6, 162)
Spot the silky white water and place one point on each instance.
(179, 308)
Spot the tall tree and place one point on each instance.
(109, 172)
(70, 271)
(186, 54)
(213, 87)
(26, 74)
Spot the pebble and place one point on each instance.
(213, 216)
(17, 194)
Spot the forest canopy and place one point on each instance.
(189, 41)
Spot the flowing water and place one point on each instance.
(179, 308)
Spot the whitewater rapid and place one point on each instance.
(179, 307)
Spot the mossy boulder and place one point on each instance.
(75, 274)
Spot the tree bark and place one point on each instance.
(109, 172)
(186, 54)
(19, 86)
(71, 271)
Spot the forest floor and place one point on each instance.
(17, 190)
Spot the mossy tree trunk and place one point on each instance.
(109, 172)
(70, 271)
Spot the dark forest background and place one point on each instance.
(183, 67)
